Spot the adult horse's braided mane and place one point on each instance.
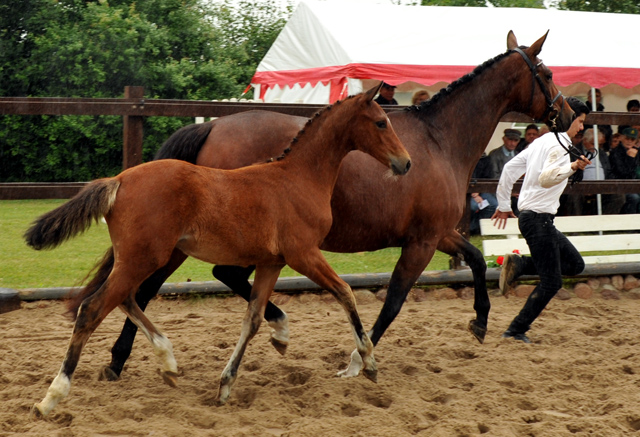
(302, 131)
(427, 105)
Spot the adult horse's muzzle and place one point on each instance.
(400, 166)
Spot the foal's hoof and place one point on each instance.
(280, 346)
(36, 413)
(371, 374)
(478, 331)
(170, 378)
(107, 374)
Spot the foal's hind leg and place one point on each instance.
(314, 266)
(90, 314)
(161, 345)
(455, 244)
(265, 279)
(147, 291)
(237, 279)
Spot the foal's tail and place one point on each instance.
(75, 216)
(185, 143)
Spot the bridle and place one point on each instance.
(550, 112)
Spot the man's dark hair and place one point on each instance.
(578, 106)
(532, 126)
(633, 103)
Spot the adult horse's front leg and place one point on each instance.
(237, 279)
(315, 267)
(455, 244)
(412, 262)
(265, 280)
(148, 290)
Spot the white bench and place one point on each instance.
(610, 240)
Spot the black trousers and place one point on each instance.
(552, 256)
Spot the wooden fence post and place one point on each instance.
(132, 132)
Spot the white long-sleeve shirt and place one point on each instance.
(546, 167)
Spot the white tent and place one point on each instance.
(328, 50)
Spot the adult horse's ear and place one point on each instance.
(512, 41)
(373, 91)
(536, 47)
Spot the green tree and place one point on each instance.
(482, 3)
(614, 6)
(175, 49)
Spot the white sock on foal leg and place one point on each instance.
(58, 390)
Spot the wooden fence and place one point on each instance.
(134, 107)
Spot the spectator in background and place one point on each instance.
(544, 130)
(420, 96)
(633, 105)
(386, 95)
(604, 128)
(624, 165)
(598, 170)
(503, 154)
(481, 205)
(530, 134)
(599, 105)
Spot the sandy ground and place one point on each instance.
(579, 377)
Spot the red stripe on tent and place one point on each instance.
(431, 74)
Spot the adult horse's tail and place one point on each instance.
(74, 217)
(185, 143)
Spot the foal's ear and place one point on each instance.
(512, 41)
(373, 91)
(536, 47)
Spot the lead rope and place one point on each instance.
(572, 150)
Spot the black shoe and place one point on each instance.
(511, 269)
(516, 336)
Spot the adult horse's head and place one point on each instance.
(545, 103)
(373, 134)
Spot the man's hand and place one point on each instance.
(580, 164)
(500, 218)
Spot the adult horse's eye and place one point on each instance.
(381, 124)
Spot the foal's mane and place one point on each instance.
(428, 105)
(323, 113)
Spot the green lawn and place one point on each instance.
(65, 266)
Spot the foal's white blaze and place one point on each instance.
(58, 390)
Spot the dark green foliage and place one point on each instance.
(175, 49)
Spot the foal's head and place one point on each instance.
(371, 132)
(546, 103)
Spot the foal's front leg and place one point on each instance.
(314, 266)
(265, 280)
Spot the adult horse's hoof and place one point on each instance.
(280, 346)
(107, 374)
(371, 374)
(479, 332)
(170, 378)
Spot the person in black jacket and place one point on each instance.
(386, 95)
(482, 205)
(624, 165)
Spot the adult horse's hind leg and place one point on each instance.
(237, 279)
(455, 244)
(315, 267)
(161, 345)
(147, 291)
(265, 279)
(412, 262)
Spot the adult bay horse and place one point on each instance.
(445, 136)
(265, 215)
